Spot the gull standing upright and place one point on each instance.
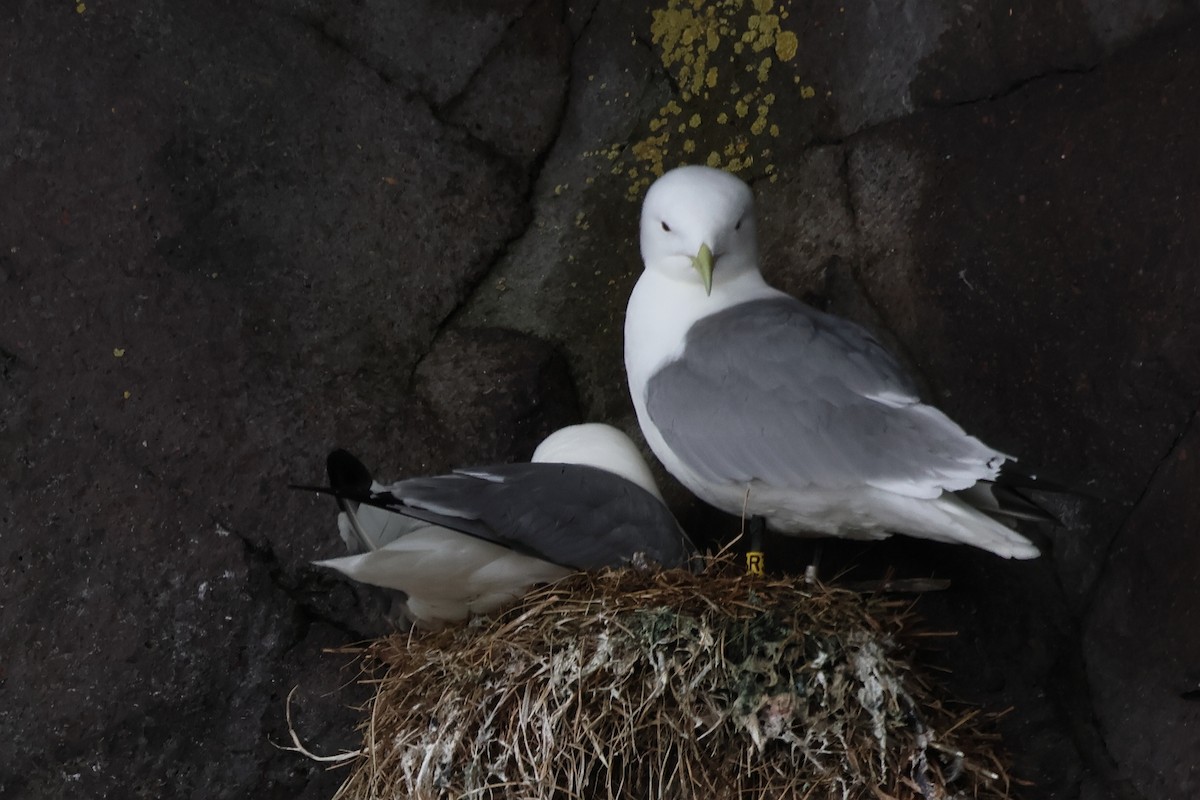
(468, 542)
(761, 405)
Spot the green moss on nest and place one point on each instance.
(637, 684)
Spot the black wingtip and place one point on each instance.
(303, 487)
(1016, 503)
(1013, 476)
(345, 495)
(347, 473)
(1002, 500)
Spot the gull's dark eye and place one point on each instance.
(738, 227)
(666, 227)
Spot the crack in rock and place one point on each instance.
(1163, 463)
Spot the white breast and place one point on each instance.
(661, 311)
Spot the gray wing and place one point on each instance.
(576, 516)
(775, 391)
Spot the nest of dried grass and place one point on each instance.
(668, 684)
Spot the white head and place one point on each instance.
(596, 445)
(698, 226)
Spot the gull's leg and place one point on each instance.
(755, 559)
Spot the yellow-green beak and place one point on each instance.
(703, 263)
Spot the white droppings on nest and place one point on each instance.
(878, 688)
(424, 761)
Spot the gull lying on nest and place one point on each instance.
(470, 541)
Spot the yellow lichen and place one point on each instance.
(764, 69)
(691, 38)
(786, 45)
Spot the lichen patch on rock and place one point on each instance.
(723, 59)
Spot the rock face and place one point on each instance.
(234, 237)
(1140, 634)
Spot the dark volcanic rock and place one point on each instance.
(872, 62)
(227, 243)
(522, 392)
(425, 46)
(1142, 649)
(516, 101)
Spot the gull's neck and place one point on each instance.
(662, 309)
